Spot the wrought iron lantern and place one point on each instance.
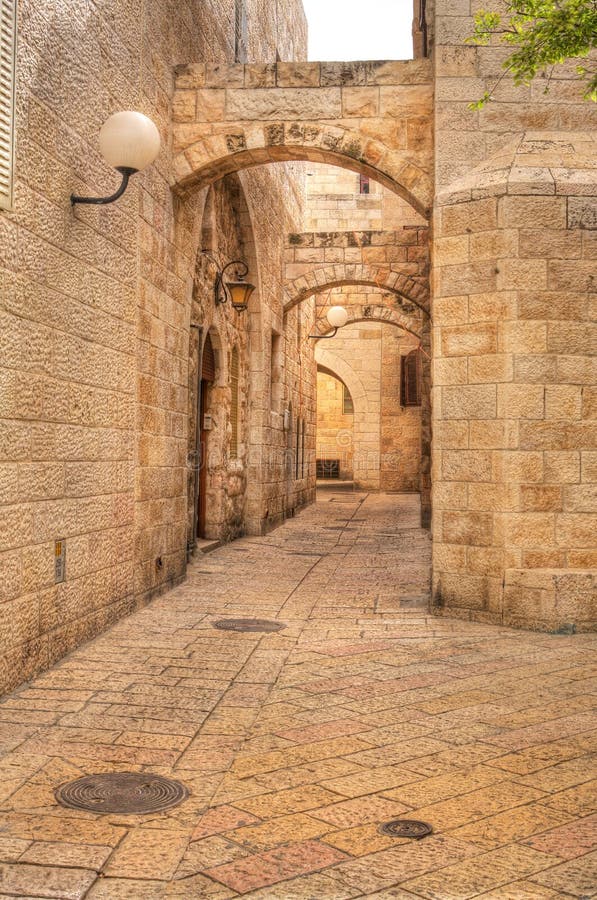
(238, 292)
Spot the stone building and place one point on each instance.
(137, 414)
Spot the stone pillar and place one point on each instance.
(513, 398)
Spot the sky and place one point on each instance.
(359, 29)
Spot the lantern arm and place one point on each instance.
(102, 201)
(222, 294)
(321, 337)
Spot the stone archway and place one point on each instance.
(371, 117)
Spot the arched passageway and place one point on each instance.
(371, 117)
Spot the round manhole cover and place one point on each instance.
(406, 828)
(122, 792)
(249, 625)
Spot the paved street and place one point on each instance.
(297, 745)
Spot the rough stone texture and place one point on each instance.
(297, 746)
(335, 113)
(95, 312)
(509, 390)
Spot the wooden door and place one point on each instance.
(208, 376)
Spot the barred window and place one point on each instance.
(8, 38)
(410, 379)
(234, 402)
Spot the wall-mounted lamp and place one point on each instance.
(237, 292)
(337, 316)
(129, 141)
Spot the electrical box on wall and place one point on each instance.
(59, 561)
(208, 423)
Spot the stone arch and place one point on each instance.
(229, 118)
(376, 313)
(345, 274)
(326, 359)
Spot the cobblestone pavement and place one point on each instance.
(297, 745)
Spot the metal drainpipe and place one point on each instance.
(196, 455)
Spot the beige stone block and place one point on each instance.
(493, 497)
(523, 337)
(576, 275)
(497, 306)
(550, 243)
(466, 465)
(533, 368)
(450, 371)
(468, 402)
(572, 338)
(519, 466)
(211, 105)
(474, 277)
(521, 274)
(520, 401)
(492, 434)
(448, 251)
(461, 590)
(580, 498)
(527, 529)
(562, 467)
(494, 244)
(184, 104)
(526, 212)
(589, 465)
(576, 530)
(469, 340)
(298, 74)
(491, 368)
(557, 435)
(472, 528)
(449, 495)
(450, 310)
(284, 103)
(401, 101)
(451, 435)
(563, 401)
(456, 60)
(577, 369)
(540, 498)
(449, 557)
(11, 567)
(552, 305)
(466, 218)
(360, 101)
(485, 561)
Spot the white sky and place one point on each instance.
(359, 29)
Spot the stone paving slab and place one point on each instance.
(297, 745)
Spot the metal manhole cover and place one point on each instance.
(406, 828)
(122, 792)
(249, 625)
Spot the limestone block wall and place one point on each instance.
(463, 138)
(335, 202)
(386, 438)
(335, 427)
(95, 308)
(513, 397)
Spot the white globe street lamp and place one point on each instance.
(130, 142)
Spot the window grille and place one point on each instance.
(410, 379)
(364, 184)
(234, 402)
(8, 37)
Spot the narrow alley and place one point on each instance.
(296, 746)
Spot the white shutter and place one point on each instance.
(8, 37)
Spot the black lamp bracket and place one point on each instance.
(221, 294)
(321, 337)
(102, 201)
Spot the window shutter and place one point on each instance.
(8, 36)
(234, 385)
(208, 361)
(410, 379)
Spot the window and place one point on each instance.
(276, 366)
(410, 379)
(347, 404)
(240, 32)
(234, 402)
(364, 186)
(8, 37)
